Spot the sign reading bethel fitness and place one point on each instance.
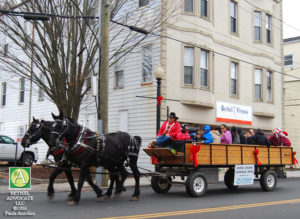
(233, 113)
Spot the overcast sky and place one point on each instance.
(291, 18)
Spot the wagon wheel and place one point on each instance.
(196, 184)
(229, 180)
(268, 180)
(161, 184)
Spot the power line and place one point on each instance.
(137, 29)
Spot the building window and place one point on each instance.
(147, 64)
(188, 65)
(21, 90)
(257, 26)
(233, 17)
(268, 28)
(41, 92)
(143, 3)
(119, 69)
(288, 60)
(204, 8)
(269, 85)
(3, 94)
(258, 83)
(5, 50)
(234, 78)
(189, 6)
(204, 68)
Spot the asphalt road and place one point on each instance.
(218, 203)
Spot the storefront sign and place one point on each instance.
(233, 113)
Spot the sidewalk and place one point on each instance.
(41, 185)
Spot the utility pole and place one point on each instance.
(104, 42)
(103, 73)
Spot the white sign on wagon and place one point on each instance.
(243, 175)
(233, 113)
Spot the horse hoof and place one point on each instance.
(70, 198)
(101, 199)
(72, 203)
(106, 196)
(117, 195)
(134, 198)
(50, 197)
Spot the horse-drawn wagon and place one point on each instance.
(195, 162)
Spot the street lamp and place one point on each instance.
(159, 73)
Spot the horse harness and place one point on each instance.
(81, 144)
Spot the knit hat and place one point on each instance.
(278, 131)
(285, 133)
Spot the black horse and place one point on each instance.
(41, 130)
(109, 150)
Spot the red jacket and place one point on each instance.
(285, 141)
(184, 136)
(275, 140)
(175, 129)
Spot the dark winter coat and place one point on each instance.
(250, 140)
(260, 139)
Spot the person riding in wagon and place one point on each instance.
(168, 131)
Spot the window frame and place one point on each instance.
(261, 84)
(145, 3)
(119, 68)
(143, 59)
(270, 100)
(284, 60)
(193, 66)
(207, 9)
(260, 27)
(236, 63)
(3, 93)
(41, 92)
(21, 90)
(269, 30)
(5, 50)
(236, 17)
(206, 69)
(188, 12)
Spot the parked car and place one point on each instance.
(8, 153)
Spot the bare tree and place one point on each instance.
(64, 49)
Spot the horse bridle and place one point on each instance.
(59, 135)
(64, 131)
(35, 133)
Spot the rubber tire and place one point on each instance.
(161, 184)
(190, 183)
(264, 180)
(27, 158)
(229, 180)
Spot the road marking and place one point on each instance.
(205, 210)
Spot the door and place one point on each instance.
(123, 122)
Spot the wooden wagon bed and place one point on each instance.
(225, 155)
